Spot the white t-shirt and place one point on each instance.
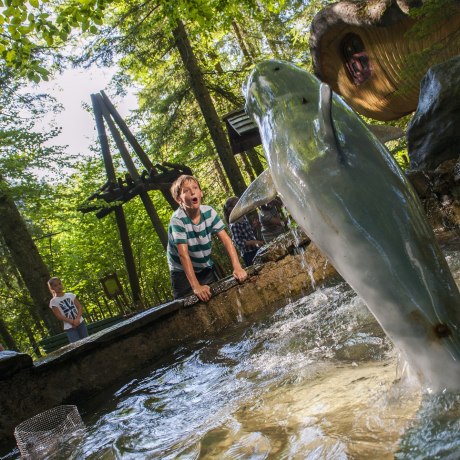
(67, 307)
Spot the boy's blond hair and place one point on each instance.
(176, 187)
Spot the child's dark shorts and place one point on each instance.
(180, 285)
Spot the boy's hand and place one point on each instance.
(203, 292)
(240, 274)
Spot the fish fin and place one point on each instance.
(326, 122)
(324, 112)
(260, 192)
(386, 133)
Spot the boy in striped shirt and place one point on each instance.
(189, 242)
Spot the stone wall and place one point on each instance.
(87, 367)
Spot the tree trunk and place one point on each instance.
(242, 44)
(14, 283)
(208, 110)
(247, 166)
(221, 176)
(32, 341)
(255, 162)
(7, 337)
(26, 257)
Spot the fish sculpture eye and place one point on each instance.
(442, 330)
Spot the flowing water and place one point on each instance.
(316, 380)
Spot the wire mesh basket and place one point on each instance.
(46, 432)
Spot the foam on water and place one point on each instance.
(318, 379)
(279, 389)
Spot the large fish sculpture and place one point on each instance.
(342, 186)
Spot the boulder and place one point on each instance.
(439, 191)
(12, 362)
(433, 134)
(284, 244)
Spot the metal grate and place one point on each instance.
(48, 431)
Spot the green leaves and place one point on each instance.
(31, 29)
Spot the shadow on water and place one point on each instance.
(316, 380)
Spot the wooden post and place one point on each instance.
(119, 214)
(128, 134)
(145, 160)
(148, 204)
(107, 306)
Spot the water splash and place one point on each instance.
(312, 278)
(239, 317)
(317, 379)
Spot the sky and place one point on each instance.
(74, 88)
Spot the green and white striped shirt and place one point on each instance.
(198, 237)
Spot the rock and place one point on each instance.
(281, 246)
(12, 362)
(421, 181)
(439, 191)
(433, 134)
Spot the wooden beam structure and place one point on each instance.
(117, 191)
(119, 213)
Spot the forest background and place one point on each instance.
(188, 61)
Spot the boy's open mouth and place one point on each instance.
(194, 200)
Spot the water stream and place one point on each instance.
(316, 380)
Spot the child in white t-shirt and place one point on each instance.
(67, 308)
